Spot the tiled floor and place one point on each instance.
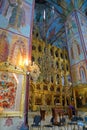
(47, 121)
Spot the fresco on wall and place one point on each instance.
(4, 46)
(10, 91)
(53, 29)
(61, 41)
(71, 26)
(83, 24)
(49, 24)
(56, 13)
(15, 40)
(76, 51)
(13, 48)
(15, 15)
(73, 40)
(10, 123)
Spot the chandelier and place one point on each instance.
(34, 70)
(47, 63)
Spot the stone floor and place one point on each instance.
(47, 121)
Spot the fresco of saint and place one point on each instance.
(17, 18)
(4, 47)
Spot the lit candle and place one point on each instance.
(44, 15)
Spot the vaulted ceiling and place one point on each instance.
(56, 11)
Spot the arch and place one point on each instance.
(38, 86)
(18, 52)
(82, 74)
(75, 50)
(51, 88)
(4, 47)
(78, 48)
(45, 87)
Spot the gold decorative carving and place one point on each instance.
(44, 88)
(80, 97)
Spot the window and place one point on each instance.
(82, 74)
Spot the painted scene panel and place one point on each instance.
(16, 15)
(83, 24)
(10, 90)
(13, 48)
(71, 26)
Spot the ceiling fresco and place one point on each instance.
(50, 17)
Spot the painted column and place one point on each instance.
(76, 48)
(16, 21)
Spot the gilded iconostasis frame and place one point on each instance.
(80, 97)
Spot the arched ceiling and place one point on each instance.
(56, 11)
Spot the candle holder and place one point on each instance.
(32, 70)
